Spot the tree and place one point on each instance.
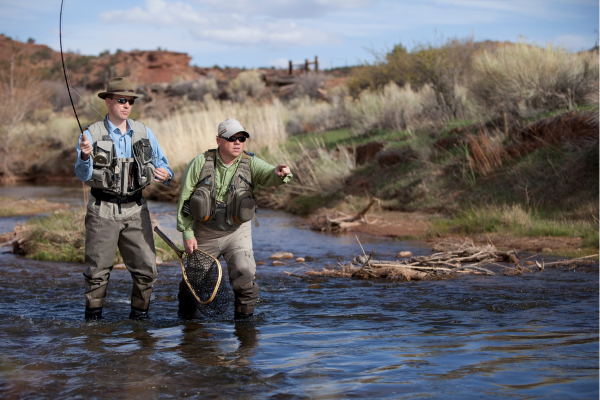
(21, 93)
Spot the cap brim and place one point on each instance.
(244, 132)
(104, 95)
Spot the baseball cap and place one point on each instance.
(230, 127)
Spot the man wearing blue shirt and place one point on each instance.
(117, 157)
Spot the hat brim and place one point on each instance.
(227, 137)
(104, 95)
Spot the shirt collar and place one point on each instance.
(112, 128)
(237, 160)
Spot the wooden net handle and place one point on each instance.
(169, 242)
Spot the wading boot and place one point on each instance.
(93, 314)
(239, 316)
(138, 314)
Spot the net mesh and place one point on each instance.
(202, 273)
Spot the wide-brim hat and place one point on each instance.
(230, 127)
(120, 87)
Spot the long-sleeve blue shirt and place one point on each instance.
(83, 169)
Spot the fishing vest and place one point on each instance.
(121, 176)
(241, 203)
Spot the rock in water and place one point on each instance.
(404, 254)
(300, 259)
(282, 255)
(278, 263)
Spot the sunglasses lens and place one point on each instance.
(233, 139)
(123, 101)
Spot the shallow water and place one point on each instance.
(533, 336)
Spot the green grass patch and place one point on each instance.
(61, 237)
(10, 207)
(517, 222)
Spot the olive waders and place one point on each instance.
(223, 229)
(118, 216)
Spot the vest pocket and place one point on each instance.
(244, 207)
(101, 179)
(200, 204)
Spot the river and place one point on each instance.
(521, 337)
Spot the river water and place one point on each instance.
(522, 337)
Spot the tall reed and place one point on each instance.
(183, 136)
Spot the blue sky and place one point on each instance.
(263, 33)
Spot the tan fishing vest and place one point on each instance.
(241, 203)
(121, 176)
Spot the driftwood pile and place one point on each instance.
(453, 256)
(338, 221)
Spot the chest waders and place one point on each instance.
(115, 179)
(241, 203)
(109, 226)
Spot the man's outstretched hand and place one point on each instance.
(282, 170)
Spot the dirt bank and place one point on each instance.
(415, 225)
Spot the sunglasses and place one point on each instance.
(123, 100)
(234, 138)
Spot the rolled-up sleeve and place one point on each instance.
(189, 179)
(83, 169)
(159, 159)
(264, 174)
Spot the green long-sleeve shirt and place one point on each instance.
(263, 174)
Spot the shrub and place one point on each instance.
(246, 84)
(392, 108)
(196, 90)
(304, 115)
(525, 80)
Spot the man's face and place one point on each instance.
(232, 149)
(116, 108)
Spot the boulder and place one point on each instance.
(404, 254)
(278, 263)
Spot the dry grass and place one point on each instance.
(485, 151)
(392, 108)
(526, 80)
(317, 171)
(185, 135)
(304, 115)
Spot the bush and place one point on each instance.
(246, 84)
(303, 115)
(524, 80)
(392, 108)
(196, 90)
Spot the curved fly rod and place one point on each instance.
(62, 57)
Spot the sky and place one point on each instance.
(265, 33)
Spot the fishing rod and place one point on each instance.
(62, 57)
(100, 157)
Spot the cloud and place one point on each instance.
(222, 26)
(279, 62)
(285, 9)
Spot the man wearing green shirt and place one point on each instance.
(216, 204)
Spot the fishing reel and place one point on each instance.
(100, 158)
